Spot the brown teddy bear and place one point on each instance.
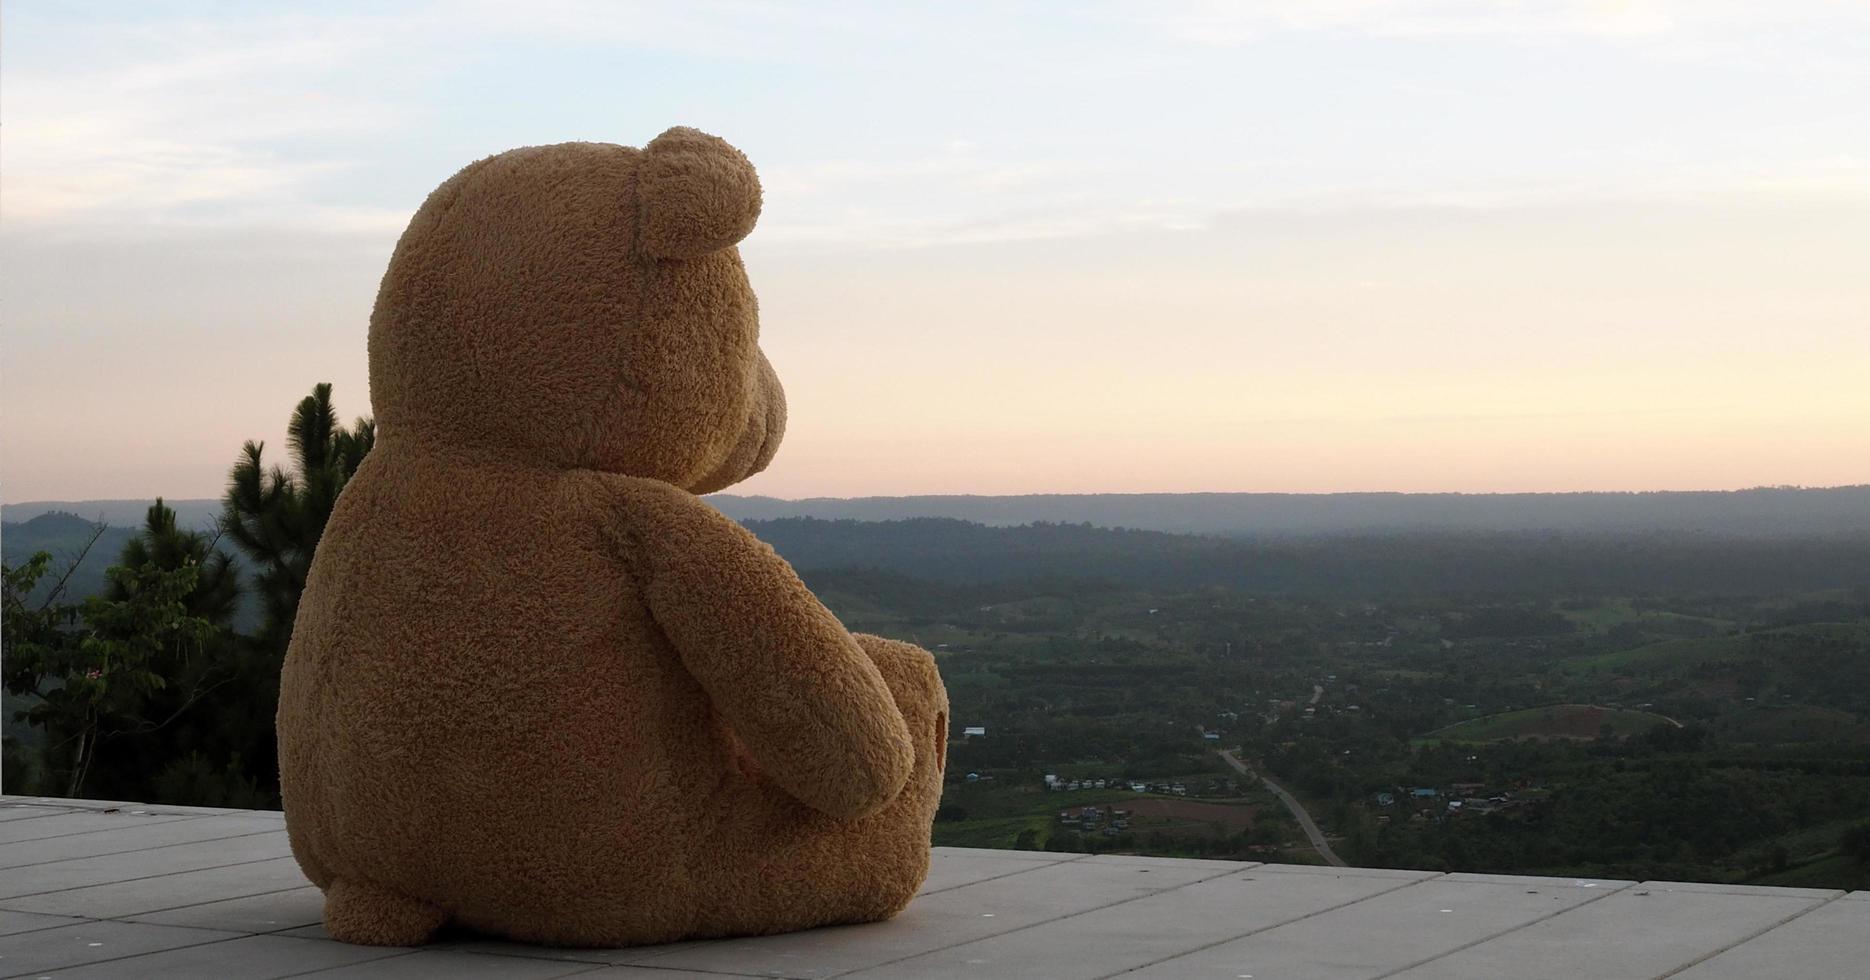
(536, 686)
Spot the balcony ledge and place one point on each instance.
(92, 889)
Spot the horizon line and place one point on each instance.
(1783, 487)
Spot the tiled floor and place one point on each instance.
(92, 889)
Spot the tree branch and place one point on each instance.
(58, 588)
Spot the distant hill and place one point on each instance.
(195, 514)
(964, 554)
(1473, 563)
(64, 536)
(1763, 512)
(1758, 513)
(1568, 721)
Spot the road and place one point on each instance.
(1312, 833)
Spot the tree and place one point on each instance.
(182, 721)
(1855, 843)
(216, 594)
(93, 682)
(34, 636)
(277, 518)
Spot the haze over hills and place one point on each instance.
(1413, 563)
(198, 513)
(1748, 542)
(1758, 512)
(1764, 511)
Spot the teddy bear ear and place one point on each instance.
(696, 195)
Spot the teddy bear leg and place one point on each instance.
(837, 872)
(904, 823)
(370, 915)
(910, 673)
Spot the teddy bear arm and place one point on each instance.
(797, 689)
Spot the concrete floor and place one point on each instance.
(92, 889)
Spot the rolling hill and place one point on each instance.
(1765, 511)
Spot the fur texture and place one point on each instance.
(536, 686)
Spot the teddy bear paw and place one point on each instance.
(371, 915)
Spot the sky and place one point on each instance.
(1330, 245)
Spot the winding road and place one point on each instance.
(1312, 833)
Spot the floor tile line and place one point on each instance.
(49, 812)
(578, 968)
(122, 881)
(389, 953)
(1037, 866)
(1509, 930)
(522, 950)
(593, 965)
(1747, 939)
(160, 820)
(1349, 871)
(133, 850)
(726, 939)
(77, 920)
(131, 956)
(1034, 925)
(1405, 883)
(80, 805)
(224, 898)
(770, 975)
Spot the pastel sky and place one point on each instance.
(1007, 247)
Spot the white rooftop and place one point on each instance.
(95, 889)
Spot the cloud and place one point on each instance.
(128, 128)
(244, 120)
(1240, 21)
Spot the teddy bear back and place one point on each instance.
(575, 305)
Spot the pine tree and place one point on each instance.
(216, 595)
(276, 518)
(107, 679)
(183, 719)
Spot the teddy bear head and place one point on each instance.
(582, 305)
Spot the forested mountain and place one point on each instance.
(1761, 512)
(64, 536)
(1420, 562)
(193, 514)
(958, 552)
(1766, 511)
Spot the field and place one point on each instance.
(1781, 725)
(986, 814)
(1232, 817)
(1559, 721)
(1605, 616)
(1667, 655)
(1834, 871)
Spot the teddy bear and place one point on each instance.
(538, 688)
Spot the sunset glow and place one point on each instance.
(1153, 247)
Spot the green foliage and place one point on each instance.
(1854, 843)
(80, 548)
(277, 517)
(1108, 654)
(98, 671)
(1554, 721)
(195, 778)
(1492, 565)
(37, 635)
(143, 690)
